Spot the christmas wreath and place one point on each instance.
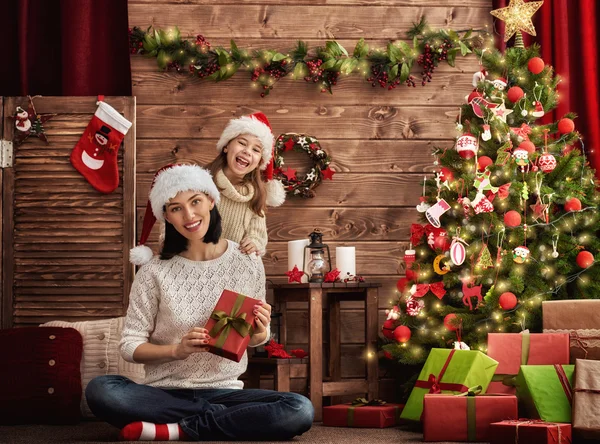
(301, 185)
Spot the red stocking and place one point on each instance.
(95, 155)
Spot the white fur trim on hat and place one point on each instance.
(177, 179)
(249, 125)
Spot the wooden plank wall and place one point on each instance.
(380, 140)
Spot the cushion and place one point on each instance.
(40, 377)
(101, 354)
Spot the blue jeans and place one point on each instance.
(203, 414)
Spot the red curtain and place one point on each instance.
(567, 33)
(64, 47)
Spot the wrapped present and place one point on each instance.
(230, 325)
(465, 418)
(586, 400)
(545, 391)
(526, 431)
(449, 371)
(512, 350)
(362, 413)
(580, 319)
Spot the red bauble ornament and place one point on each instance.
(473, 95)
(566, 126)
(547, 162)
(402, 333)
(585, 259)
(401, 284)
(446, 174)
(527, 146)
(535, 65)
(512, 218)
(441, 243)
(388, 329)
(515, 94)
(466, 145)
(387, 355)
(483, 162)
(507, 301)
(451, 322)
(573, 204)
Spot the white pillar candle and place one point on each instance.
(345, 261)
(296, 252)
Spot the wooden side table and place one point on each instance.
(330, 295)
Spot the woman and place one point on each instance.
(190, 394)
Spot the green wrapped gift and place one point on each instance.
(545, 391)
(449, 371)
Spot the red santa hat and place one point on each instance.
(169, 181)
(258, 125)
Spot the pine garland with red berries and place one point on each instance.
(387, 67)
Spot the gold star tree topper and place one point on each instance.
(517, 17)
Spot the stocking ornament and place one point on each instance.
(433, 214)
(487, 134)
(95, 155)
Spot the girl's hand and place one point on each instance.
(262, 313)
(247, 246)
(194, 341)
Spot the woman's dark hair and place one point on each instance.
(176, 243)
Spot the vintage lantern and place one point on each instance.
(317, 265)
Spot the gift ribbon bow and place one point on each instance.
(435, 384)
(363, 402)
(581, 341)
(437, 288)
(225, 322)
(510, 379)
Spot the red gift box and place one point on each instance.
(526, 431)
(230, 325)
(512, 350)
(361, 415)
(465, 418)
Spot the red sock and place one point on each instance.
(95, 155)
(147, 431)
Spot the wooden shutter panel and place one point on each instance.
(65, 244)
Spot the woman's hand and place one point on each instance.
(247, 246)
(262, 313)
(194, 341)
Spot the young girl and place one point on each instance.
(189, 393)
(245, 150)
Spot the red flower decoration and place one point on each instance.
(332, 276)
(327, 173)
(275, 350)
(299, 353)
(294, 275)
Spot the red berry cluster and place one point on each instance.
(202, 43)
(136, 45)
(267, 75)
(316, 74)
(431, 57)
(380, 76)
(205, 70)
(176, 66)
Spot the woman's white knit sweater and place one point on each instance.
(238, 219)
(170, 297)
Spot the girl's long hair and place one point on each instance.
(176, 243)
(258, 202)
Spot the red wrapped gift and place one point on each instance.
(230, 325)
(527, 431)
(465, 418)
(362, 413)
(512, 350)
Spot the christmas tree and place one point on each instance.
(510, 219)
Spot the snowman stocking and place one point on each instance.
(95, 155)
